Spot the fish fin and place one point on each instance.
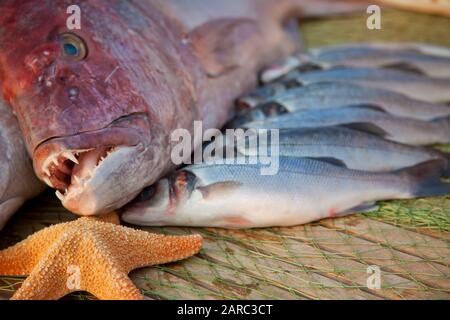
(443, 155)
(369, 106)
(425, 178)
(443, 120)
(446, 156)
(218, 187)
(220, 43)
(403, 66)
(367, 127)
(363, 207)
(330, 160)
(235, 222)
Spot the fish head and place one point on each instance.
(162, 202)
(85, 126)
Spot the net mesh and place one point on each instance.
(407, 241)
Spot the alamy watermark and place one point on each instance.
(374, 280)
(373, 22)
(236, 146)
(74, 278)
(73, 21)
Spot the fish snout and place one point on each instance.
(155, 205)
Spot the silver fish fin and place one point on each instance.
(367, 127)
(220, 44)
(363, 207)
(209, 191)
(368, 106)
(330, 160)
(403, 66)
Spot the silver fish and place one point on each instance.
(335, 94)
(424, 58)
(304, 190)
(417, 47)
(413, 85)
(355, 149)
(403, 130)
(17, 179)
(429, 60)
(438, 67)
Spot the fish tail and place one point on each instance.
(424, 180)
(446, 157)
(443, 120)
(444, 125)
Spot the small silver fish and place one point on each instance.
(424, 48)
(427, 59)
(335, 94)
(304, 190)
(365, 118)
(18, 182)
(413, 85)
(355, 149)
(438, 67)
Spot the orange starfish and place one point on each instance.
(90, 254)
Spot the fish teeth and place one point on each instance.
(59, 195)
(47, 171)
(77, 180)
(69, 155)
(55, 161)
(48, 182)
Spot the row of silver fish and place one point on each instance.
(354, 124)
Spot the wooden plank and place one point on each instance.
(410, 242)
(433, 276)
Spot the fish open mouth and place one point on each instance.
(69, 171)
(85, 168)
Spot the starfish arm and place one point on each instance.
(20, 259)
(145, 249)
(113, 285)
(49, 279)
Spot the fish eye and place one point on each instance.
(72, 46)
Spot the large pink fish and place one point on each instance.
(97, 105)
